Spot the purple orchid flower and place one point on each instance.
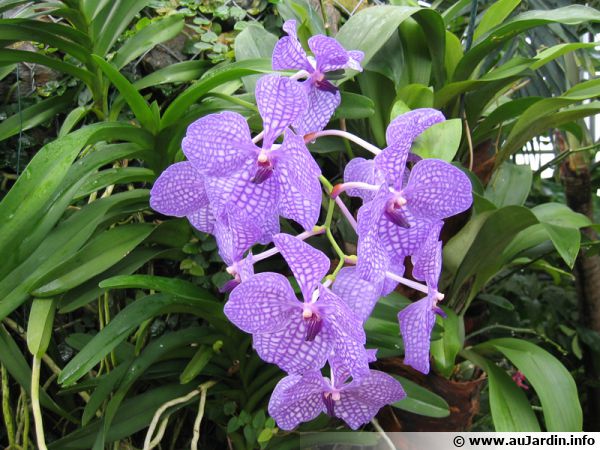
(418, 318)
(235, 233)
(329, 56)
(301, 398)
(263, 182)
(297, 336)
(179, 191)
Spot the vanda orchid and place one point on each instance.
(238, 190)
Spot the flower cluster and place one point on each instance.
(237, 190)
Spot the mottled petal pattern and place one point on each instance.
(178, 191)
(400, 135)
(401, 242)
(290, 351)
(280, 102)
(298, 176)
(373, 259)
(203, 219)
(308, 264)
(355, 57)
(297, 399)
(427, 263)
(218, 144)
(236, 232)
(416, 323)
(288, 53)
(321, 106)
(360, 295)
(340, 317)
(264, 303)
(364, 171)
(329, 53)
(437, 189)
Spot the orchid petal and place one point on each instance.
(322, 103)
(308, 264)
(218, 144)
(178, 191)
(416, 323)
(288, 53)
(297, 399)
(329, 53)
(264, 303)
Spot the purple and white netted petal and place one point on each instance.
(400, 135)
(359, 401)
(298, 176)
(178, 191)
(235, 233)
(265, 303)
(280, 102)
(255, 200)
(364, 171)
(359, 294)
(329, 53)
(437, 190)
(297, 399)
(427, 262)
(416, 323)
(340, 317)
(322, 103)
(290, 349)
(308, 264)
(288, 52)
(218, 144)
(355, 58)
(203, 219)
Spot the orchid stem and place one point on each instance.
(346, 212)
(406, 282)
(351, 137)
(35, 403)
(302, 236)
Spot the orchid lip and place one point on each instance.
(396, 216)
(312, 322)
(263, 171)
(329, 399)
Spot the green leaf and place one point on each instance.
(561, 215)
(565, 240)
(570, 15)
(354, 106)
(35, 115)
(552, 382)
(201, 358)
(444, 350)
(252, 43)
(421, 401)
(16, 365)
(134, 99)
(102, 252)
(510, 408)
(39, 325)
(497, 300)
(72, 119)
(118, 175)
(173, 286)
(102, 391)
(494, 15)
(151, 35)
(209, 81)
(416, 96)
(439, 141)
(509, 185)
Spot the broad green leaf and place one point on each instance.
(454, 53)
(36, 114)
(176, 73)
(354, 106)
(39, 325)
(485, 257)
(511, 411)
(439, 141)
(565, 240)
(421, 401)
(99, 254)
(173, 286)
(118, 175)
(552, 382)
(561, 215)
(382, 327)
(252, 43)
(497, 300)
(134, 99)
(151, 35)
(444, 350)
(416, 96)
(357, 33)
(494, 15)
(72, 119)
(509, 185)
